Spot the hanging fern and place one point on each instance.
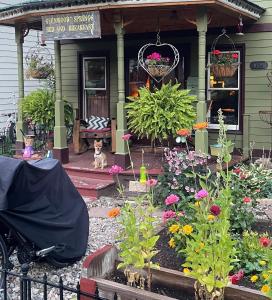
(159, 114)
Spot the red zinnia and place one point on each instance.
(247, 200)
(216, 52)
(264, 241)
(237, 171)
(235, 278)
(235, 55)
(215, 210)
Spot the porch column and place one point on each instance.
(201, 136)
(60, 151)
(121, 155)
(19, 38)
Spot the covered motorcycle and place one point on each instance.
(39, 201)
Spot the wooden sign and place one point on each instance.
(72, 26)
(258, 65)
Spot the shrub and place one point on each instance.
(159, 114)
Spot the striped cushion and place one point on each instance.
(97, 123)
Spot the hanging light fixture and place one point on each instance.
(240, 27)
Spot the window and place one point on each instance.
(224, 92)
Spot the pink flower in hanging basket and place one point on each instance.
(154, 56)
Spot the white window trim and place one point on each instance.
(209, 90)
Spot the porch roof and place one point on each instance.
(30, 10)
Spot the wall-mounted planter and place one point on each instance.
(103, 262)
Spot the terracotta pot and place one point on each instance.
(220, 71)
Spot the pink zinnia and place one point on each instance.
(114, 170)
(169, 214)
(247, 200)
(171, 199)
(215, 210)
(201, 194)
(126, 137)
(151, 182)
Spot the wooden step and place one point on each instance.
(88, 173)
(93, 187)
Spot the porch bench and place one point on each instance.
(81, 136)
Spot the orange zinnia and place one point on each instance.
(114, 212)
(202, 125)
(183, 132)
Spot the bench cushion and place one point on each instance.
(97, 123)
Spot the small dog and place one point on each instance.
(100, 159)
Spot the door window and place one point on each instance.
(95, 98)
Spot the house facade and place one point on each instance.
(98, 74)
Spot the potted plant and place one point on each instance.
(224, 64)
(39, 108)
(157, 65)
(39, 67)
(159, 114)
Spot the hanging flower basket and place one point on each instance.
(220, 70)
(224, 63)
(158, 70)
(39, 62)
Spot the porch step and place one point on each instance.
(88, 173)
(93, 187)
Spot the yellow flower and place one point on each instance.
(200, 247)
(172, 243)
(265, 276)
(254, 278)
(211, 217)
(197, 203)
(174, 228)
(186, 271)
(262, 263)
(187, 229)
(265, 289)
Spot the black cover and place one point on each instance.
(39, 200)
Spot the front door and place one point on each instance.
(95, 91)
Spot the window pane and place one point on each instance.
(95, 73)
(228, 101)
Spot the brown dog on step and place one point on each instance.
(100, 158)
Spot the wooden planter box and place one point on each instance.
(103, 262)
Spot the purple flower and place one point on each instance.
(201, 194)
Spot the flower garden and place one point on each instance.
(209, 218)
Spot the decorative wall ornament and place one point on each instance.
(154, 63)
(39, 62)
(223, 63)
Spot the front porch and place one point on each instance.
(123, 25)
(94, 183)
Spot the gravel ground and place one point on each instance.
(102, 231)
